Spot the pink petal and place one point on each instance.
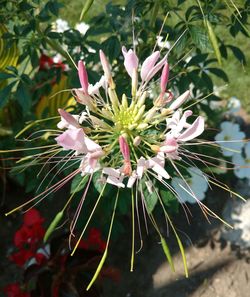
(180, 100)
(156, 68)
(131, 180)
(130, 60)
(68, 118)
(183, 121)
(83, 98)
(148, 64)
(111, 171)
(194, 130)
(142, 165)
(83, 76)
(164, 78)
(170, 145)
(73, 139)
(157, 164)
(91, 145)
(115, 181)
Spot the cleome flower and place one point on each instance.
(133, 142)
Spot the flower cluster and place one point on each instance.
(132, 141)
(127, 138)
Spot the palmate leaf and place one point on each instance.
(200, 37)
(8, 55)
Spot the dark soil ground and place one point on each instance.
(215, 268)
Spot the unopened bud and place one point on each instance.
(106, 69)
(124, 101)
(137, 141)
(134, 82)
(142, 126)
(140, 113)
(142, 99)
(124, 148)
(132, 126)
(155, 148)
(113, 98)
(150, 114)
(107, 113)
(83, 76)
(166, 111)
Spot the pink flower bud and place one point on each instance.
(164, 78)
(83, 76)
(106, 69)
(130, 60)
(148, 65)
(124, 148)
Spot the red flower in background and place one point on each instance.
(32, 217)
(35, 258)
(28, 237)
(21, 257)
(93, 241)
(14, 290)
(46, 63)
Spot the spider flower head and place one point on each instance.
(132, 141)
(125, 138)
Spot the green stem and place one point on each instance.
(133, 232)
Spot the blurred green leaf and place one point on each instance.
(5, 94)
(218, 72)
(150, 197)
(75, 184)
(200, 37)
(23, 97)
(4, 75)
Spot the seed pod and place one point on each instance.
(53, 226)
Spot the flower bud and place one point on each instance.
(124, 101)
(106, 69)
(130, 61)
(164, 78)
(137, 141)
(83, 76)
(142, 99)
(113, 98)
(134, 82)
(140, 113)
